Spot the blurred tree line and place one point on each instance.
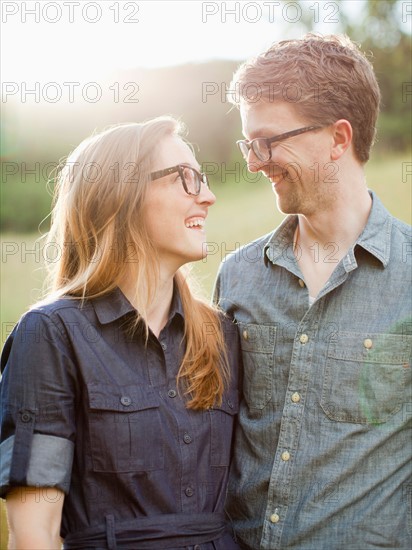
(35, 136)
(382, 31)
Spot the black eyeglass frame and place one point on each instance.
(201, 176)
(269, 141)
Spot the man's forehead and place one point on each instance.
(257, 118)
(265, 119)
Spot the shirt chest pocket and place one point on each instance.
(365, 377)
(258, 346)
(125, 429)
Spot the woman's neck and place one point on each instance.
(157, 312)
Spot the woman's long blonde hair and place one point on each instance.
(98, 228)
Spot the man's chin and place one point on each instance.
(285, 206)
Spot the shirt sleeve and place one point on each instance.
(37, 396)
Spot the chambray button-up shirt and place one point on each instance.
(323, 447)
(87, 408)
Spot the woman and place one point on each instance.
(118, 393)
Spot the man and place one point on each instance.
(323, 307)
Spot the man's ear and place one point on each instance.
(342, 138)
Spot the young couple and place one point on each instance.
(120, 391)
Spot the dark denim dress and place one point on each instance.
(89, 409)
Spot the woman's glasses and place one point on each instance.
(191, 179)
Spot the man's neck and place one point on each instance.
(341, 224)
(322, 240)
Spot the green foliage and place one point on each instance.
(382, 36)
(25, 202)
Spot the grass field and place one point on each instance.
(242, 212)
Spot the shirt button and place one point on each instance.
(171, 393)
(189, 492)
(285, 456)
(295, 397)
(274, 518)
(303, 338)
(367, 343)
(164, 346)
(26, 417)
(187, 438)
(230, 404)
(301, 283)
(125, 400)
(245, 334)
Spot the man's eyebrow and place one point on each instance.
(263, 132)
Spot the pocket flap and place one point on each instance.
(392, 349)
(230, 402)
(257, 338)
(122, 398)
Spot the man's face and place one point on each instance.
(300, 169)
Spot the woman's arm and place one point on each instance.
(34, 517)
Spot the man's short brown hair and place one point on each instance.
(326, 79)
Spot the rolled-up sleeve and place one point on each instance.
(38, 396)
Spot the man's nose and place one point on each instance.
(254, 164)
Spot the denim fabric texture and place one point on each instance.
(89, 409)
(323, 447)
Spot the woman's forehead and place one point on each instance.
(173, 150)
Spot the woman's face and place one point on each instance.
(175, 221)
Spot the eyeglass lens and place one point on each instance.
(191, 180)
(259, 147)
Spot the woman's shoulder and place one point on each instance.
(61, 308)
(51, 315)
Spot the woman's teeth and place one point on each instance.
(196, 222)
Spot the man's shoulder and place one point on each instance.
(402, 227)
(401, 243)
(251, 252)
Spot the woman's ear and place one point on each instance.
(342, 138)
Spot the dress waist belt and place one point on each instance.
(153, 532)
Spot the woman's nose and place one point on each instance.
(206, 195)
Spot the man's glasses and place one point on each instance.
(191, 179)
(262, 146)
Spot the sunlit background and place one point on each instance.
(69, 68)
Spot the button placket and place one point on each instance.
(304, 341)
(274, 518)
(285, 456)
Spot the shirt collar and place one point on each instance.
(375, 237)
(115, 305)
